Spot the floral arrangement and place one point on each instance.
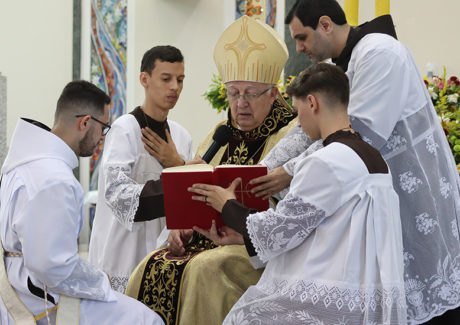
(445, 95)
(215, 95)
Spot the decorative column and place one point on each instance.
(3, 146)
(351, 8)
(108, 60)
(382, 7)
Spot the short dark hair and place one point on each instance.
(328, 79)
(166, 53)
(309, 12)
(81, 97)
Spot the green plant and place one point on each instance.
(445, 95)
(215, 95)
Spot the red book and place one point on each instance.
(183, 213)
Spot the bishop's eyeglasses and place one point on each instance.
(234, 96)
(106, 127)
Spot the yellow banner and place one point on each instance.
(382, 7)
(351, 8)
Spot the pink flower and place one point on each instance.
(453, 80)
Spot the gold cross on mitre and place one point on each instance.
(250, 50)
(243, 46)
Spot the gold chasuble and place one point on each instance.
(202, 286)
(177, 287)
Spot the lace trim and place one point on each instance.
(301, 302)
(274, 232)
(290, 165)
(339, 297)
(287, 148)
(84, 282)
(122, 194)
(119, 283)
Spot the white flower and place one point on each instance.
(446, 187)
(454, 228)
(425, 224)
(453, 98)
(432, 93)
(408, 182)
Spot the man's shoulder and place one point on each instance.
(125, 120)
(46, 173)
(338, 157)
(175, 126)
(378, 41)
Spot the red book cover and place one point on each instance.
(183, 213)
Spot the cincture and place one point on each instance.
(9, 254)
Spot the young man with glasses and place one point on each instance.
(41, 215)
(129, 210)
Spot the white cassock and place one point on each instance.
(119, 242)
(391, 108)
(333, 246)
(41, 215)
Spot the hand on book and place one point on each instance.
(270, 184)
(224, 236)
(177, 240)
(164, 152)
(214, 195)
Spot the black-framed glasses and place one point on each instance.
(106, 127)
(247, 97)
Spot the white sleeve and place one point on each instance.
(48, 230)
(379, 88)
(294, 143)
(121, 191)
(314, 195)
(289, 166)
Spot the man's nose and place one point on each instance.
(299, 47)
(241, 101)
(174, 85)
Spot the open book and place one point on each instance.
(183, 213)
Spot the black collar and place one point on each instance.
(36, 123)
(333, 137)
(146, 121)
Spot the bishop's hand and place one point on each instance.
(177, 240)
(164, 151)
(223, 236)
(270, 184)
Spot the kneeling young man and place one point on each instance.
(333, 245)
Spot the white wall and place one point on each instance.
(428, 28)
(193, 26)
(35, 56)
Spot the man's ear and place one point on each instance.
(325, 23)
(83, 123)
(312, 103)
(144, 79)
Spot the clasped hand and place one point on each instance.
(164, 151)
